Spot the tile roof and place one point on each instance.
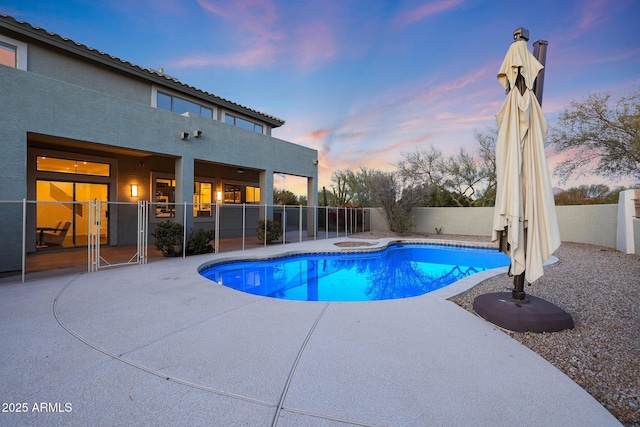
(28, 30)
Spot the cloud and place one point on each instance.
(592, 14)
(314, 43)
(252, 17)
(413, 15)
(315, 135)
(262, 33)
(408, 115)
(245, 59)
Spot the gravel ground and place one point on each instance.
(600, 288)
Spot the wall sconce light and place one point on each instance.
(197, 133)
(315, 162)
(240, 170)
(134, 190)
(184, 135)
(219, 196)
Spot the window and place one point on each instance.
(13, 53)
(165, 197)
(242, 123)
(202, 198)
(165, 192)
(232, 193)
(164, 102)
(253, 194)
(77, 167)
(179, 105)
(8, 55)
(236, 193)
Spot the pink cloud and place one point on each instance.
(592, 14)
(314, 42)
(264, 34)
(411, 16)
(407, 118)
(210, 7)
(316, 135)
(257, 17)
(244, 59)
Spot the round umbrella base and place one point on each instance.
(529, 315)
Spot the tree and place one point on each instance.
(598, 138)
(463, 179)
(397, 198)
(350, 188)
(423, 167)
(589, 195)
(486, 196)
(362, 187)
(284, 197)
(341, 192)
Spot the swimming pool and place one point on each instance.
(400, 270)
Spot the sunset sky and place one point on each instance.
(362, 81)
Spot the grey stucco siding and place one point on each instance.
(74, 71)
(69, 111)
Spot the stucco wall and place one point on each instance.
(469, 221)
(71, 70)
(593, 224)
(636, 235)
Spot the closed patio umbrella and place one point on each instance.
(524, 220)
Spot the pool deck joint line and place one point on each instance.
(295, 365)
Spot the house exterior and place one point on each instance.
(77, 124)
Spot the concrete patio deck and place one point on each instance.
(158, 344)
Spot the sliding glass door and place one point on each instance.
(62, 213)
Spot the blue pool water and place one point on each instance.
(398, 271)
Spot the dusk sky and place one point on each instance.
(362, 81)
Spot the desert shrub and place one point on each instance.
(199, 242)
(169, 238)
(274, 230)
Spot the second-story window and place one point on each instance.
(8, 55)
(179, 105)
(242, 123)
(13, 53)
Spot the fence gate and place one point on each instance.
(132, 248)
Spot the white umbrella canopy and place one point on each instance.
(524, 221)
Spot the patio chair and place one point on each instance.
(57, 236)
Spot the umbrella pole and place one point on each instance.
(518, 288)
(517, 293)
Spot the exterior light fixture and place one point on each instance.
(197, 133)
(184, 135)
(240, 170)
(219, 196)
(134, 190)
